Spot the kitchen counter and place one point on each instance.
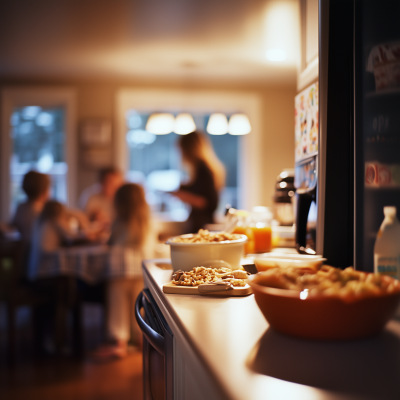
(224, 349)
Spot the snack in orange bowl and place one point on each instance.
(273, 260)
(329, 304)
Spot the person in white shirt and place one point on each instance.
(97, 200)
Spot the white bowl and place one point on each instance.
(185, 256)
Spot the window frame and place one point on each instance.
(204, 101)
(46, 97)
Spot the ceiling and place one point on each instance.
(223, 40)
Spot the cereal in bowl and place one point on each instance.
(204, 236)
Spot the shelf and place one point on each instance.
(382, 188)
(383, 93)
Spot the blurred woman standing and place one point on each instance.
(207, 178)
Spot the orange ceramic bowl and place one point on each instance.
(323, 317)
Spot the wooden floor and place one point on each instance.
(66, 378)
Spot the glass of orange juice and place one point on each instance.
(262, 237)
(261, 228)
(243, 228)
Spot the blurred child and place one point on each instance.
(132, 229)
(37, 188)
(52, 230)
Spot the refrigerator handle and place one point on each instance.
(304, 199)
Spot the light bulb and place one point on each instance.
(239, 124)
(184, 124)
(217, 124)
(160, 123)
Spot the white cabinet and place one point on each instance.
(308, 71)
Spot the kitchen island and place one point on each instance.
(223, 348)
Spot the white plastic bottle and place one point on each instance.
(387, 245)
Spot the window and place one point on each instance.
(38, 137)
(36, 134)
(201, 103)
(154, 161)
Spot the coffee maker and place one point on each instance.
(283, 198)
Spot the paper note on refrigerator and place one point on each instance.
(306, 123)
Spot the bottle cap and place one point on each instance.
(390, 211)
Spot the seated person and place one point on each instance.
(37, 188)
(52, 230)
(97, 200)
(55, 227)
(132, 229)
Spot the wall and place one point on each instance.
(95, 99)
(278, 138)
(308, 68)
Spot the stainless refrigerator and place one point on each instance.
(358, 170)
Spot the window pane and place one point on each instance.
(38, 143)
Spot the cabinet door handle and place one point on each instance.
(154, 338)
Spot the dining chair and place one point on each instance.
(15, 291)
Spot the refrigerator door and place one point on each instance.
(359, 143)
(335, 185)
(377, 121)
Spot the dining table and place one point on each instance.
(92, 263)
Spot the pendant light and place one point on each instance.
(160, 123)
(239, 124)
(184, 124)
(217, 124)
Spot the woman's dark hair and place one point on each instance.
(196, 146)
(132, 209)
(35, 184)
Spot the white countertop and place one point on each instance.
(251, 361)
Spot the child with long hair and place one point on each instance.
(133, 232)
(132, 222)
(207, 178)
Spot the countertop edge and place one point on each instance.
(160, 297)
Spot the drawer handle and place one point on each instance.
(154, 338)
